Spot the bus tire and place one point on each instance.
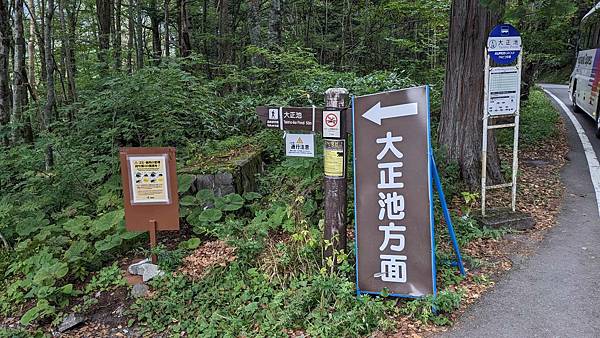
(573, 99)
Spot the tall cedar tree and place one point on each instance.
(51, 93)
(19, 76)
(460, 131)
(5, 39)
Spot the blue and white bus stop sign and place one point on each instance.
(504, 44)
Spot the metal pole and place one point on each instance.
(515, 167)
(438, 184)
(485, 132)
(152, 230)
(336, 187)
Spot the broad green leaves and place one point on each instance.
(231, 202)
(184, 182)
(210, 215)
(42, 308)
(191, 243)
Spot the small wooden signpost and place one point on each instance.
(332, 124)
(149, 180)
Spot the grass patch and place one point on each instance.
(539, 122)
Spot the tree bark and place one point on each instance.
(19, 79)
(139, 50)
(275, 24)
(117, 36)
(5, 97)
(40, 36)
(103, 9)
(130, 37)
(166, 25)
(51, 95)
(224, 30)
(185, 43)
(66, 53)
(155, 19)
(31, 46)
(460, 130)
(254, 29)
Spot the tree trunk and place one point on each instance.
(254, 29)
(139, 50)
(224, 29)
(40, 36)
(19, 80)
(66, 53)
(51, 96)
(130, 38)
(155, 19)
(117, 35)
(205, 42)
(166, 24)
(185, 43)
(31, 46)
(104, 23)
(5, 97)
(275, 24)
(460, 130)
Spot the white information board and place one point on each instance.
(149, 183)
(331, 124)
(300, 145)
(503, 89)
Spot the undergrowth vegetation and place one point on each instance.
(66, 229)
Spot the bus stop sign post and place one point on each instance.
(502, 97)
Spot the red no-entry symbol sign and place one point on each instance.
(331, 120)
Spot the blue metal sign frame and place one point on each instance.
(434, 178)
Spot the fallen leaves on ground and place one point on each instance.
(208, 255)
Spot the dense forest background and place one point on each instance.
(81, 78)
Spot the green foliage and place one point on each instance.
(538, 122)
(242, 301)
(424, 309)
(106, 279)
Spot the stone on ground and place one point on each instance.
(70, 322)
(139, 290)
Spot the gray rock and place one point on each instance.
(139, 290)
(133, 268)
(70, 322)
(150, 271)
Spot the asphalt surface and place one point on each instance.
(554, 293)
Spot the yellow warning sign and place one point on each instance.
(148, 175)
(333, 158)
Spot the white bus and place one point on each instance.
(584, 86)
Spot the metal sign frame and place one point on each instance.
(488, 125)
(434, 179)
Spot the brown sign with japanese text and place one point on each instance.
(303, 119)
(393, 193)
(149, 188)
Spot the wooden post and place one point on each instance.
(336, 187)
(152, 230)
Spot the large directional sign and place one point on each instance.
(394, 225)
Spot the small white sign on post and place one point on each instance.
(503, 89)
(331, 124)
(300, 145)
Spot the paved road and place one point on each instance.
(555, 293)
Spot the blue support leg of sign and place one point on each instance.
(438, 184)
